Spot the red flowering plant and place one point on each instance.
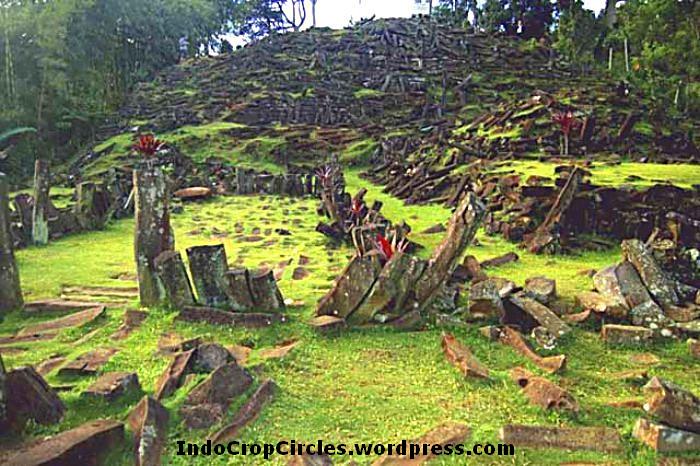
(386, 249)
(148, 147)
(566, 121)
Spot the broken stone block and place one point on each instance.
(88, 363)
(665, 439)
(541, 289)
(173, 377)
(194, 193)
(600, 304)
(672, 405)
(500, 260)
(84, 445)
(601, 439)
(27, 396)
(45, 367)
(445, 434)
(112, 385)
(210, 356)
(462, 358)
(350, 288)
(73, 320)
(248, 412)
(327, 324)
(659, 284)
(279, 351)
(132, 320)
(173, 276)
(682, 314)
(608, 285)
(202, 416)
(267, 296)
(149, 423)
(514, 339)
(240, 298)
(208, 267)
(649, 314)
(485, 299)
(543, 393)
(542, 314)
(626, 334)
(221, 386)
(57, 306)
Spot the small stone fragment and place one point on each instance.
(626, 334)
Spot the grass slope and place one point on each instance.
(372, 385)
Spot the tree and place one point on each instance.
(578, 34)
(525, 18)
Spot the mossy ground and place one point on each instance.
(370, 385)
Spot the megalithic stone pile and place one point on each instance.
(401, 290)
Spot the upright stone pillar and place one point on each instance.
(40, 220)
(10, 291)
(153, 234)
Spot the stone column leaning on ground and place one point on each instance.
(10, 290)
(40, 220)
(153, 234)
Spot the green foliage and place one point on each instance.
(525, 18)
(578, 34)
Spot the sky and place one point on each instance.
(338, 13)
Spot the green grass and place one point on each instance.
(370, 385)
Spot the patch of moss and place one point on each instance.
(366, 93)
(359, 153)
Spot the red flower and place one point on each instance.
(148, 145)
(356, 207)
(565, 120)
(384, 247)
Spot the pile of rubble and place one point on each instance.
(554, 217)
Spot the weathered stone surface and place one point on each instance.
(170, 343)
(153, 233)
(514, 339)
(3, 393)
(85, 445)
(72, 320)
(219, 317)
(485, 299)
(327, 324)
(132, 320)
(473, 270)
(223, 385)
(625, 334)
(691, 329)
(202, 416)
(88, 363)
(240, 353)
(210, 356)
(193, 193)
(238, 290)
(643, 310)
(149, 423)
(267, 296)
(542, 314)
(40, 211)
(45, 367)
(173, 276)
(600, 304)
(607, 284)
(601, 439)
(577, 318)
(91, 207)
(462, 358)
(248, 412)
(443, 435)
(542, 289)
(208, 267)
(10, 290)
(672, 405)
(461, 230)
(29, 397)
(659, 284)
(687, 313)
(665, 439)
(112, 385)
(543, 393)
(350, 287)
(389, 293)
(174, 374)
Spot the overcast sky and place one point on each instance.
(338, 13)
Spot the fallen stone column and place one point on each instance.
(149, 423)
(462, 358)
(569, 438)
(10, 290)
(40, 217)
(673, 405)
(153, 234)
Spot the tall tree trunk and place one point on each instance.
(610, 13)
